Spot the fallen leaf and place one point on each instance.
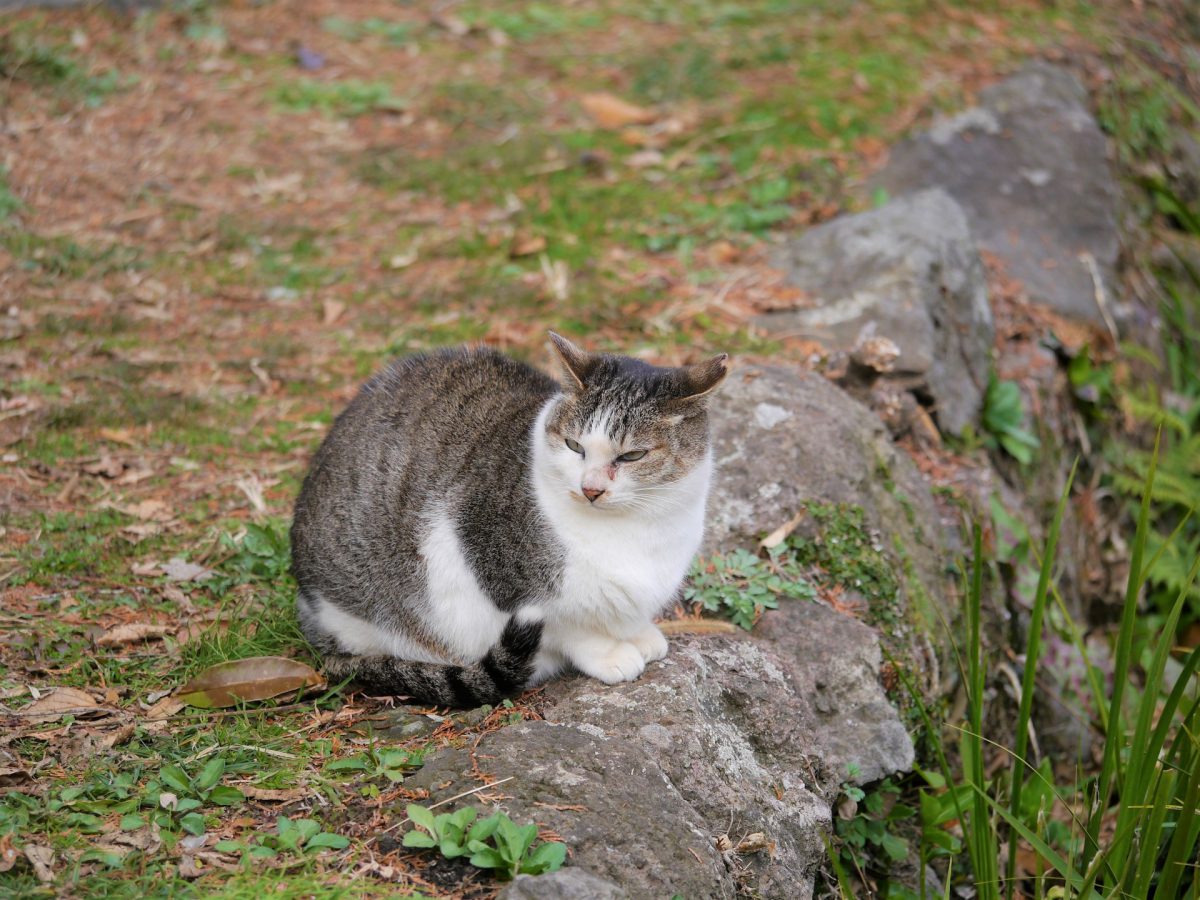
(136, 533)
(117, 436)
(257, 678)
(40, 858)
(189, 868)
(108, 466)
(331, 311)
(697, 626)
(164, 709)
(134, 474)
(611, 112)
(179, 569)
(644, 158)
(148, 510)
(116, 736)
(12, 776)
(131, 632)
(527, 245)
(403, 260)
(57, 703)
(8, 853)
(151, 567)
(253, 490)
(780, 534)
(275, 795)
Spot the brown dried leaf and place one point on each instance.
(8, 853)
(257, 678)
(780, 534)
(331, 311)
(275, 795)
(13, 776)
(117, 436)
(164, 709)
(611, 112)
(40, 858)
(108, 466)
(131, 632)
(527, 245)
(57, 703)
(148, 510)
(178, 569)
(697, 626)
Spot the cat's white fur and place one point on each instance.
(626, 555)
(624, 558)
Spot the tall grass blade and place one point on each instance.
(1052, 856)
(1114, 732)
(981, 835)
(1033, 649)
(1133, 817)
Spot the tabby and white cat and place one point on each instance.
(469, 527)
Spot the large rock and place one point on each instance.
(786, 440)
(1029, 166)
(565, 884)
(908, 272)
(726, 736)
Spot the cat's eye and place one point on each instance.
(574, 445)
(631, 456)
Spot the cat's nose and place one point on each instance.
(593, 494)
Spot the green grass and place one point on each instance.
(338, 98)
(30, 56)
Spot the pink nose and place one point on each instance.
(593, 494)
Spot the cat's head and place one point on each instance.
(624, 432)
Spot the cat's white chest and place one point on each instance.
(623, 573)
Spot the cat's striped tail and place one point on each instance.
(503, 672)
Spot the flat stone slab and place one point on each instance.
(1029, 166)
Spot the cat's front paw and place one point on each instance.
(650, 643)
(622, 661)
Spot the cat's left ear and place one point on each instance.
(577, 364)
(702, 379)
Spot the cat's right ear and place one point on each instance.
(577, 364)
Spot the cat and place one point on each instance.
(469, 527)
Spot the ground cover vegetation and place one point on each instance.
(237, 211)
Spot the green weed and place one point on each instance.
(398, 33)
(495, 843)
(1004, 420)
(52, 66)
(740, 586)
(870, 831)
(175, 799)
(10, 203)
(338, 98)
(294, 837)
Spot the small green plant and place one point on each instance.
(740, 585)
(1004, 420)
(495, 843)
(378, 763)
(262, 554)
(292, 837)
(10, 203)
(339, 98)
(176, 798)
(357, 29)
(867, 832)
